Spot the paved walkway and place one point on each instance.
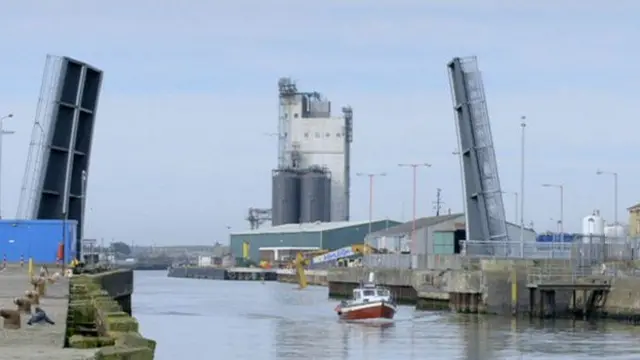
(41, 341)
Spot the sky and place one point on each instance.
(190, 90)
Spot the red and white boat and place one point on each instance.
(369, 302)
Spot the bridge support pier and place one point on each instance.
(585, 305)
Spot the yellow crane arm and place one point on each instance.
(299, 267)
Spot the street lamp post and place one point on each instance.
(523, 126)
(371, 176)
(414, 167)
(561, 221)
(2, 133)
(615, 193)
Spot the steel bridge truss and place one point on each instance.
(485, 215)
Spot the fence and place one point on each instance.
(585, 250)
(582, 254)
(419, 261)
(387, 261)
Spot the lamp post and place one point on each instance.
(523, 126)
(371, 176)
(414, 167)
(2, 133)
(561, 221)
(615, 193)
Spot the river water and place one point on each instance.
(197, 319)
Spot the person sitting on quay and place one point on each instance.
(39, 317)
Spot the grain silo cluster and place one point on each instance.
(301, 196)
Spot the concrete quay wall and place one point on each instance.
(342, 281)
(89, 323)
(97, 320)
(191, 272)
(460, 284)
(623, 299)
(314, 277)
(218, 273)
(119, 285)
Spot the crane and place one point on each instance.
(257, 217)
(301, 261)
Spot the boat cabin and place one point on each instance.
(370, 292)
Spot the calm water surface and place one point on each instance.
(249, 320)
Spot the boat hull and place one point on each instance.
(378, 310)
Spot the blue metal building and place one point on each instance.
(555, 237)
(329, 236)
(37, 239)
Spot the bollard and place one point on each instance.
(514, 292)
(21, 261)
(11, 319)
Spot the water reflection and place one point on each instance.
(222, 319)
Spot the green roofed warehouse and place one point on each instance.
(327, 236)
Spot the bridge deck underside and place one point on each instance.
(68, 144)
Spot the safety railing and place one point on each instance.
(576, 258)
(586, 250)
(416, 261)
(556, 274)
(514, 249)
(387, 261)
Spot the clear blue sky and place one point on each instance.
(190, 89)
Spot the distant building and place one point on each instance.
(312, 180)
(434, 235)
(634, 221)
(37, 239)
(329, 236)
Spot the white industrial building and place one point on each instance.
(440, 235)
(310, 136)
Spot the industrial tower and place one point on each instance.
(311, 182)
(55, 178)
(485, 216)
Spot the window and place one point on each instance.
(306, 134)
(295, 116)
(369, 293)
(327, 135)
(338, 135)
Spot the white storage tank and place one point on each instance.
(616, 233)
(592, 226)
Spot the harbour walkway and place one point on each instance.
(40, 341)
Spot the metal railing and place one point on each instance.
(417, 262)
(387, 261)
(554, 273)
(586, 250)
(560, 262)
(557, 262)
